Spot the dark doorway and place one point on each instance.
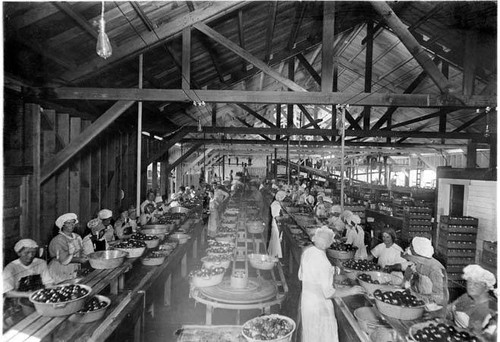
(457, 200)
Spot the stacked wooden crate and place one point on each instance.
(489, 256)
(457, 245)
(417, 222)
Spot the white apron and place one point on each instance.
(319, 323)
(274, 248)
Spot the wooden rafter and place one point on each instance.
(328, 46)
(241, 35)
(170, 141)
(247, 56)
(471, 121)
(368, 71)
(186, 58)
(303, 61)
(422, 118)
(248, 125)
(271, 19)
(189, 152)
(268, 97)
(77, 18)
(412, 45)
(151, 40)
(256, 115)
(213, 56)
(82, 140)
(300, 9)
(311, 119)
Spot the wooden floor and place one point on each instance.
(164, 321)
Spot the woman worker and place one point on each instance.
(213, 220)
(473, 309)
(320, 207)
(388, 252)
(274, 248)
(106, 215)
(26, 274)
(125, 226)
(150, 199)
(94, 239)
(316, 273)
(66, 250)
(426, 275)
(355, 236)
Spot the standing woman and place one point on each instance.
(356, 236)
(66, 249)
(274, 249)
(213, 219)
(316, 273)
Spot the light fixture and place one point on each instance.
(103, 47)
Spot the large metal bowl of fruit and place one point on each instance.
(440, 330)
(274, 328)
(151, 241)
(93, 310)
(373, 280)
(206, 277)
(352, 268)
(341, 251)
(60, 300)
(400, 304)
(134, 248)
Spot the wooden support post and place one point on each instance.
(33, 112)
(75, 185)
(493, 153)
(471, 154)
(85, 167)
(48, 189)
(328, 46)
(155, 176)
(278, 119)
(61, 126)
(368, 72)
(186, 58)
(470, 62)
(167, 291)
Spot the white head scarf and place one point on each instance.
(105, 214)
(337, 223)
(479, 274)
(95, 225)
(347, 215)
(323, 237)
(280, 195)
(158, 199)
(65, 217)
(422, 246)
(355, 219)
(24, 243)
(327, 199)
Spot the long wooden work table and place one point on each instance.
(129, 287)
(348, 326)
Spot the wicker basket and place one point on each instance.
(61, 309)
(342, 255)
(262, 261)
(255, 227)
(387, 282)
(399, 312)
(286, 338)
(91, 316)
(206, 282)
(107, 259)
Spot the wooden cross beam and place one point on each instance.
(189, 152)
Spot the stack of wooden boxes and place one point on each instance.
(457, 246)
(417, 222)
(489, 256)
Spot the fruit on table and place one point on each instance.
(220, 250)
(368, 278)
(400, 298)
(361, 265)
(207, 272)
(140, 236)
(157, 254)
(267, 328)
(59, 294)
(93, 305)
(130, 244)
(442, 332)
(340, 246)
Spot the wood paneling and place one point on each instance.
(85, 181)
(62, 177)
(48, 189)
(74, 172)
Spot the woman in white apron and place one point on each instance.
(316, 273)
(274, 248)
(213, 219)
(66, 249)
(356, 236)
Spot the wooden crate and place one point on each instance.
(465, 220)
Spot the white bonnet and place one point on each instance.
(323, 236)
(65, 217)
(479, 274)
(336, 209)
(105, 214)
(280, 195)
(24, 243)
(422, 246)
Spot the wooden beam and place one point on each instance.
(189, 152)
(309, 68)
(368, 71)
(471, 121)
(171, 141)
(247, 56)
(144, 18)
(255, 114)
(76, 145)
(328, 46)
(268, 97)
(353, 122)
(421, 118)
(311, 120)
(212, 53)
(470, 62)
(241, 35)
(300, 9)
(77, 18)
(271, 19)
(214, 115)
(186, 58)
(200, 157)
(278, 119)
(289, 107)
(412, 45)
(149, 40)
(248, 125)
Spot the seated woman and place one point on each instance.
(66, 250)
(150, 199)
(426, 275)
(473, 309)
(106, 216)
(148, 217)
(26, 274)
(125, 226)
(94, 239)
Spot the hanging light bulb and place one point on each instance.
(103, 47)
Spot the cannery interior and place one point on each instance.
(250, 171)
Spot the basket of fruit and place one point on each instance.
(439, 330)
(399, 304)
(220, 250)
(211, 261)
(273, 328)
(106, 259)
(255, 227)
(160, 230)
(373, 280)
(262, 261)
(134, 248)
(93, 310)
(206, 277)
(341, 251)
(154, 258)
(352, 268)
(151, 241)
(60, 300)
